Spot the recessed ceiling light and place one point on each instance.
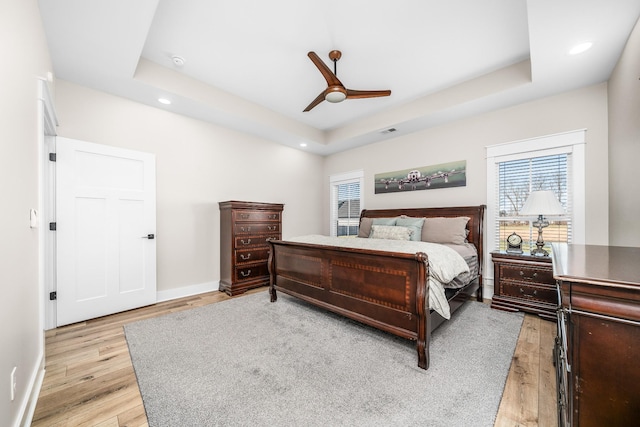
(579, 48)
(164, 101)
(303, 144)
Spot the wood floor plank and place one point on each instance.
(89, 379)
(547, 397)
(519, 405)
(134, 417)
(77, 395)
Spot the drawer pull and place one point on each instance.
(274, 216)
(247, 274)
(248, 242)
(246, 229)
(244, 216)
(535, 292)
(272, 227)
(245, 257)
(535, 275)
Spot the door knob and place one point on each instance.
(149, 236)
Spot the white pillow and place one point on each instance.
(390, 232)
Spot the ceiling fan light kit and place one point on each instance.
(334, 95)
(335, 91)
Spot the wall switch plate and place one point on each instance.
(13, 383)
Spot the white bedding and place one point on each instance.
(444, 263)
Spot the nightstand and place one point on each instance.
(524, 283)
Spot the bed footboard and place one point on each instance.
(386, 291)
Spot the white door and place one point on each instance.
(105, 230)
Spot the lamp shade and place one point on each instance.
(542, 203)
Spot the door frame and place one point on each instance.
(47, 193)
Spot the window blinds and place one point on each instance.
(346, 203)
(516, 179)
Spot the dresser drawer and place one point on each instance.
(524, 273)
(251, 272)
(256, 228)
(250, 241)
(253, 216)
(244, 256)
(528, 291)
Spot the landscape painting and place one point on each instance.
(444, 175)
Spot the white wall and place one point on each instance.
(21, 336)
(624, 145)
(197, 165)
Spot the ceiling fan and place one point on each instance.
(336, 92)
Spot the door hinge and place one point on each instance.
(53, 296)
(52, 226)
(52, 157)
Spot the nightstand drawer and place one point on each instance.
(524, 283)
(528, 292)
(526, 273)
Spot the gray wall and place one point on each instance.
(198, 164)
(624, 146)
(24, 48)
(466, 140)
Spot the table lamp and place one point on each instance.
(541, 203)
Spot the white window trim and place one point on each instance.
(573, 142)
(343, 178)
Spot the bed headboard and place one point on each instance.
(475, 224)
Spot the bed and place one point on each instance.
(385, 289)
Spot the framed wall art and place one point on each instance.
(444, 175)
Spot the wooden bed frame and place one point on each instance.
(386, 290)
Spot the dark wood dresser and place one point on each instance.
(245, 228)
(524, 283)
(598, 345)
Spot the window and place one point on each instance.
(554, 162)
(346, 203)
(516, 180)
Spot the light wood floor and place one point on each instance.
(89, 379)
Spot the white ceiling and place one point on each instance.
(246, 64)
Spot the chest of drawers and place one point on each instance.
(245, 228)
(524, 283)
(598, 344)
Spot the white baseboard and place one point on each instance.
(488, 289)
(187, 291)
(28, 406)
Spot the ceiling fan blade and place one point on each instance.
(328, 75)
(315, 102)
(354, 94)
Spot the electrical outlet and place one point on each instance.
(13, 383)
